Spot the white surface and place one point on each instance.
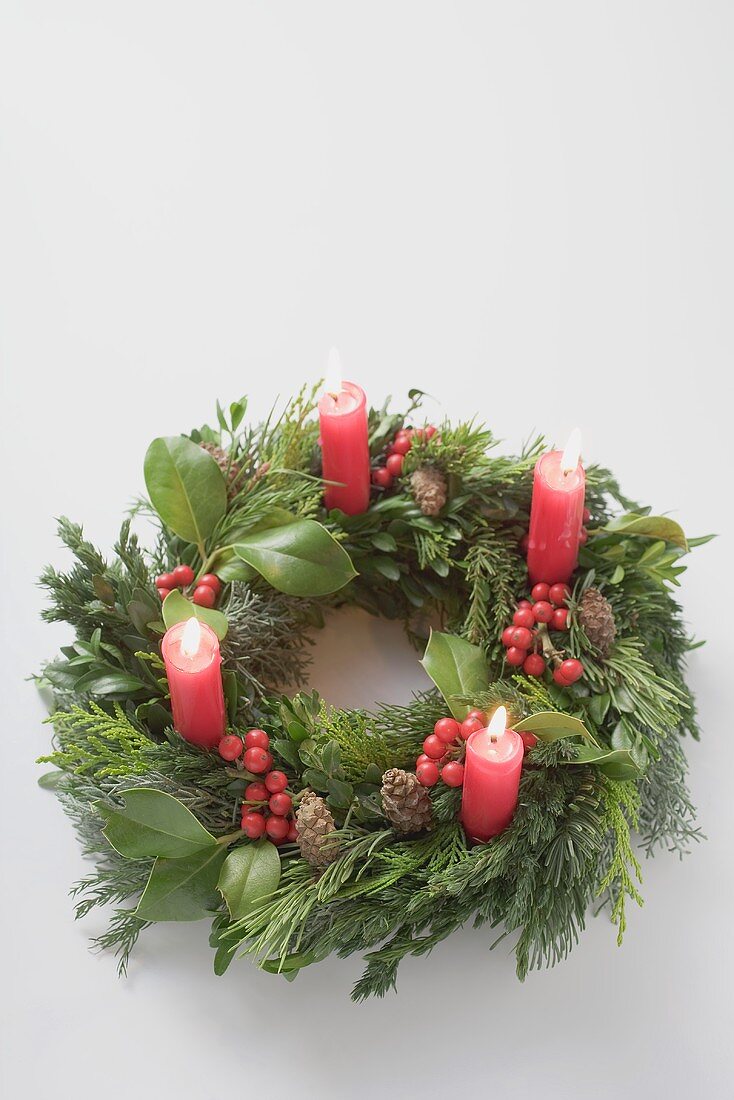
(525, 209)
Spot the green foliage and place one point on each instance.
(457, 668)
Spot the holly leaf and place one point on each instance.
(183, 889)
(176, 609)
(153, 823)
(250, 874)
(614, 763)
(652, 527)
(552, 725)
(186, 487)
(301, 558)
(457, 668)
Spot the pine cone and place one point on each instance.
(230, 472)
(315, 824)
(429, 489)
(597, 619)
(406, 803)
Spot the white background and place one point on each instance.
(524, 209)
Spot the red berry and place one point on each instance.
(422, 759)
(204, 596)
(507, 635)
(560, 679)
(280, 804)
(543, 611)
(163, 592)
(254, 824)
(430, 431)
(276, 782)
(183, 575)
(533, 665)
(256, 792)
(583, 536)
(479, 715)
(394, 465)
(230, 747)
(560, 619)
(427, 773)
(470, 726)
(257, 760)
(400, 445)
(515, 656)
(528, 739)
(277, 828)
(434, 747)
(166, 580)
(586, 517)
(213, 582)
(521, 637)
(382, 478)
(292, 836)
(572, 670)
(523, 603)
(453, 773)
(447, 730)
(558, 594)
(524, 617)
(540, 591)
(257, 739)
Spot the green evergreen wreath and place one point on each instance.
(375, 862)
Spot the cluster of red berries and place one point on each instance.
(206, 589)
(546, 610)
(384, 476)
(263, 797)
(437, 761)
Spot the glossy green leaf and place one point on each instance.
(108, 682)
(103, 590)
(153, 823)
(552, 725)
(50, 780)
(654, 527)
(291, 964)
(457, 668)
(300, 559)
(186, 487)
(183, 889)
(176, 609)
(614, 763)
(250, 874)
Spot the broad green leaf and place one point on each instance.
(250, 874)
(300, 559)
(183, 889)
(614, 763)
(186, 487)
(103, 590)
(109, 682)
(457, 668)
(654, 527)
(142, 609)
(153, 823)
(176, 609)
(50, 780)
(229, 567)
(552, 725)
(291, 964)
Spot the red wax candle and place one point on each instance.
(556, 515)
(191, 654)
(344, 447)
(491, 778)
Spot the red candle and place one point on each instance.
(344, 446)
(491, 778)
(556, 514)
(191, 654)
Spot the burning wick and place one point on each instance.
(572, 453)
(191, 638)
(498, 724)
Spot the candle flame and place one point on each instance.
(572, 452)
(498, 722)
(191, 638)
(334, 373)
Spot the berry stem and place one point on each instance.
(229, 838)
(550, 652)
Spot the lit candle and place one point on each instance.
(556, 514)
(491, 778)
(191, 654)
(344, 446)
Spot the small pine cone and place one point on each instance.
(230, 472)
(428, 484)
(597, 619)
(314, 825)
(406, 803)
